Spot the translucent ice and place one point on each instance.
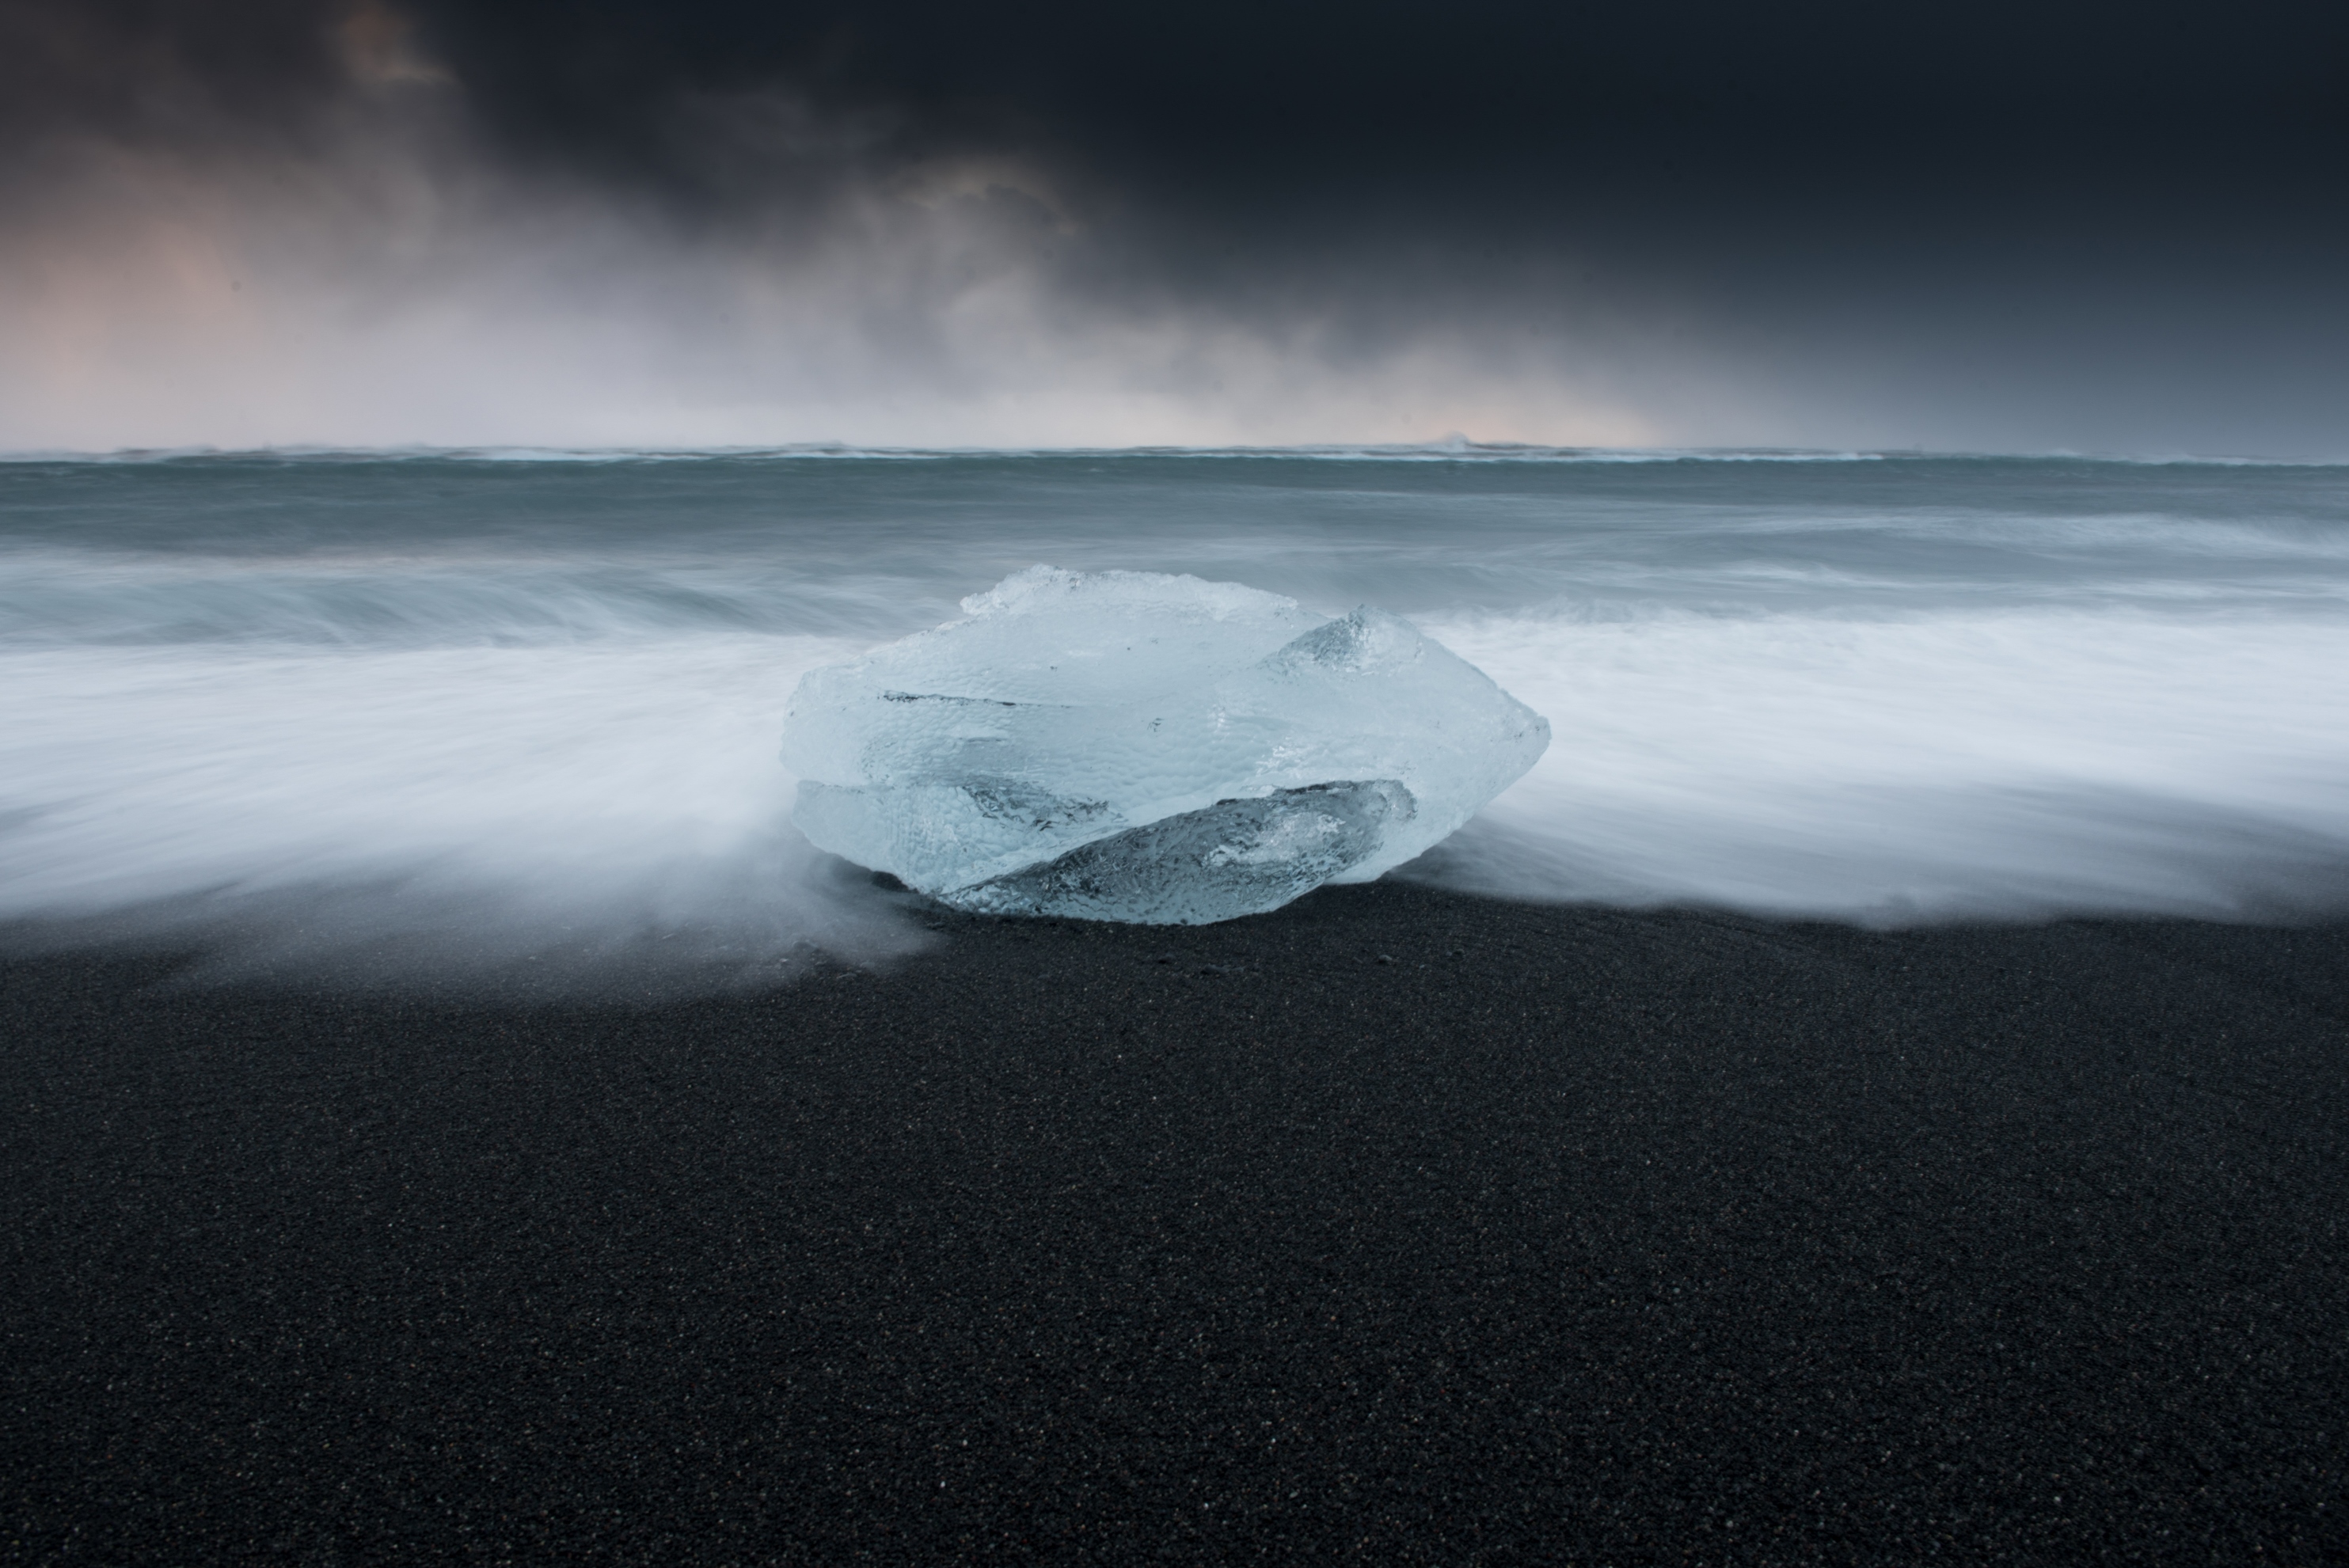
(1126, 746)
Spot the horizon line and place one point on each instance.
(1452, 449)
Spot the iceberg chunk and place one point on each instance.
(1132, 747)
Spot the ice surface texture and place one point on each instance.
(1127, 745)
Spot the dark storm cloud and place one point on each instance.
(188, 73)
(2005, 182)
(1515, 108)
(2000, 224)
(1507, 108)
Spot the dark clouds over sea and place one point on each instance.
(2000, 226)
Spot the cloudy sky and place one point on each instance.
(1998, 226)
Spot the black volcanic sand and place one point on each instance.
(1566, 1235)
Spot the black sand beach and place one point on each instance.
(1395, 1225)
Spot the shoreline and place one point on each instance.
(1397, 1222)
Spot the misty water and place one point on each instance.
(455, 710)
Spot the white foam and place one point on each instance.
(2003, 762)
(492, 801)
(1999, 763)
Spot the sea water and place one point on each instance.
(453, 709)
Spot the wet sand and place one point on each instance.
(1397, 1225)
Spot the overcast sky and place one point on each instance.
(1995, 226)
